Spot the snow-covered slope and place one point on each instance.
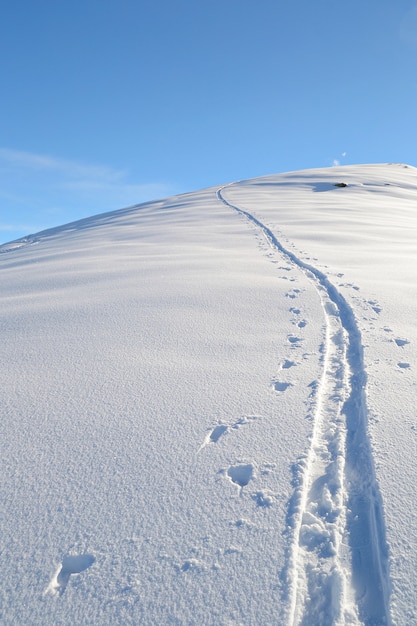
(208, 408)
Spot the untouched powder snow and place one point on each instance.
(208, 408)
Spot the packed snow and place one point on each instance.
(208, 408)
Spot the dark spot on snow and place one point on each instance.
(323, 187)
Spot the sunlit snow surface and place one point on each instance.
(208, 408)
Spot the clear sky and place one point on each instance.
(108, 103)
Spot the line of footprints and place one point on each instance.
(278, 384)
(376, 308)
(242, 473)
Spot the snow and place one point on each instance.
(208, 408)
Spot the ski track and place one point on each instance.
(337, 570)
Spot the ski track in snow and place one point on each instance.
(337, 570)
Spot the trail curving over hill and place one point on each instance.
(338, 558)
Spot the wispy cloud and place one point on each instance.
(74, 175)
(39, 191)
(18, 159)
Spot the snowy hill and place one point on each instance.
(208, 408)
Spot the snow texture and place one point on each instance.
(208, 408)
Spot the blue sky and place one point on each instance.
(108, 103)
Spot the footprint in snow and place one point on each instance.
(403, 365)
(349, 285)
(401, 342)
(71, 564)
(287, 364)
(280, 386)
(218, 431)
(293, 293)
(375, 306)
(294, 340)
(214, 435)
(240, 475)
